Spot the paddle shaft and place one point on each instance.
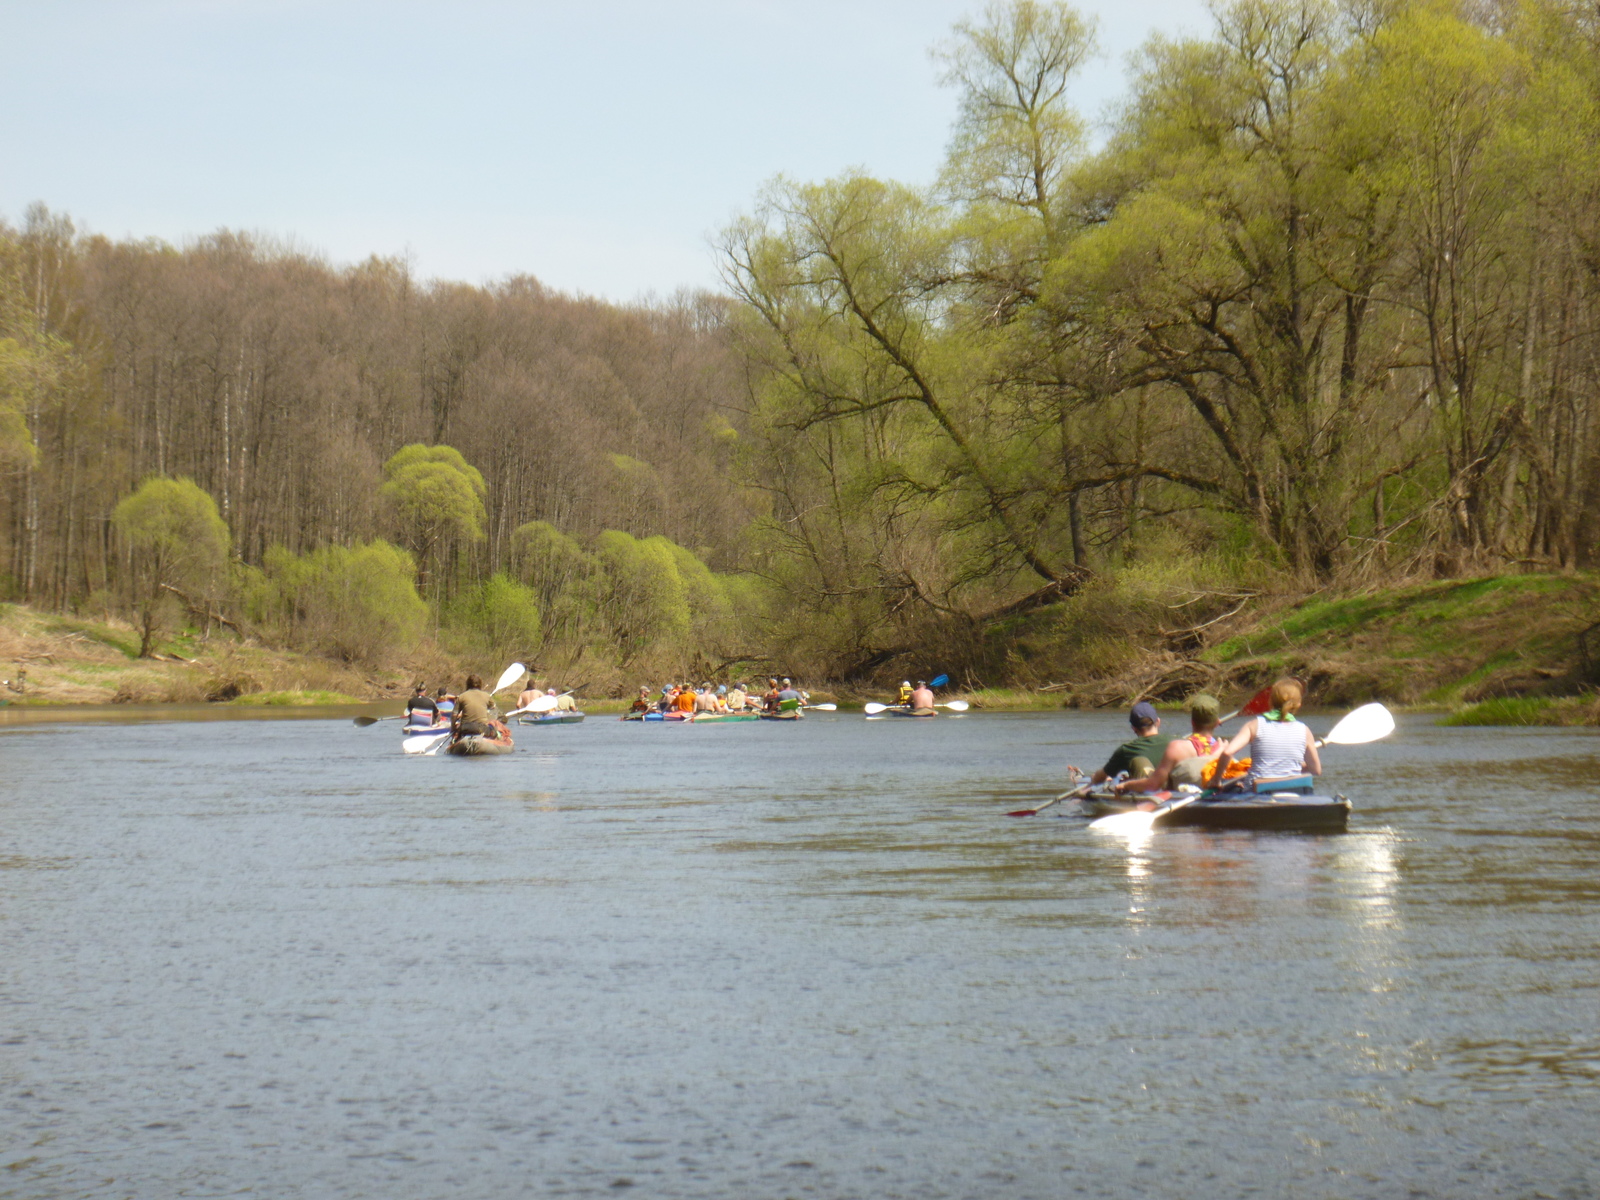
(1076, 793)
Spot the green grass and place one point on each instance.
(1505, 710)
(1432, 643)
(257, 699)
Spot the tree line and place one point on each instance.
(1320, 308)
(350, 460)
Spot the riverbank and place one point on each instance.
(50, 659)
(1514, 649)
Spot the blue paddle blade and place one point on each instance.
(939, 681)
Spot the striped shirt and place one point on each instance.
(1278, 748)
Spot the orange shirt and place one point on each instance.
(685, 701)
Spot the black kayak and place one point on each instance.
(1285, 811)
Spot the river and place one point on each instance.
(783, 960)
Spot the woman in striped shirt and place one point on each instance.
(1280, 746)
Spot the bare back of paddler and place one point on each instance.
(1184, 758)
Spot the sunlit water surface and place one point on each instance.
(760, 960)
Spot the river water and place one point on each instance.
(774, 960)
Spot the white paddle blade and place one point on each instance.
(1366, 724)
(823, 707)
(956, 706)
(542, 705)
(872, 708)
(1135, 821)
(509, 676)
(424, 743)
(1138, 821)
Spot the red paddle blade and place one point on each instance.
(1024, 812)
(1259, 703)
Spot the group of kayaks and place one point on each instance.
(1277, 804)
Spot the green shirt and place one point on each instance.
(1152, 746)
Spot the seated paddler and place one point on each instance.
(1136, 758)
(421, 711)
(475, 711)
(1281, 747)
(1186, 759)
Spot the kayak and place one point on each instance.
(475, 744)
(703, 718)
(1241, 810)
(896, 711)
(569, 717)
(794, 715)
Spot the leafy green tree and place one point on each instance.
(177, 545)
(358, 602)
(643, 600)
(1016, 135)
(499, 617)
(561, 575)
(437, 497)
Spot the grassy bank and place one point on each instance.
(51, 659)
(1449, 644)
(1505, 649)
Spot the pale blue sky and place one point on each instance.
(595, 146)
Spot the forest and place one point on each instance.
(1317, 311)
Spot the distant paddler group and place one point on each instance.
(916, 701)
(468, 723)
(704, 702)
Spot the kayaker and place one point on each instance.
(475, 711)
(1185, 758)
(446, 704)
(1139, 756)
(705, 700)
(642, 704)
(903, 700)
(769, 699)
(528, 695)
(788, 692)
(564, 702)
(921, 697)
(1280, 745)
(686, 699)
(421, 711)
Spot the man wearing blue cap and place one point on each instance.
(1141, 754)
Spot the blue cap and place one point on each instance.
(1144, 713)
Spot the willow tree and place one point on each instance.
(177, 545)
(437, 498)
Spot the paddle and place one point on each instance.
(822, 707)
(540, 704)
(363, 722)
(425, 743)
(1362, 725)
(872, 708)
(1365, 724)
(1077, 793)
(938, 681)
(1259, 703)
